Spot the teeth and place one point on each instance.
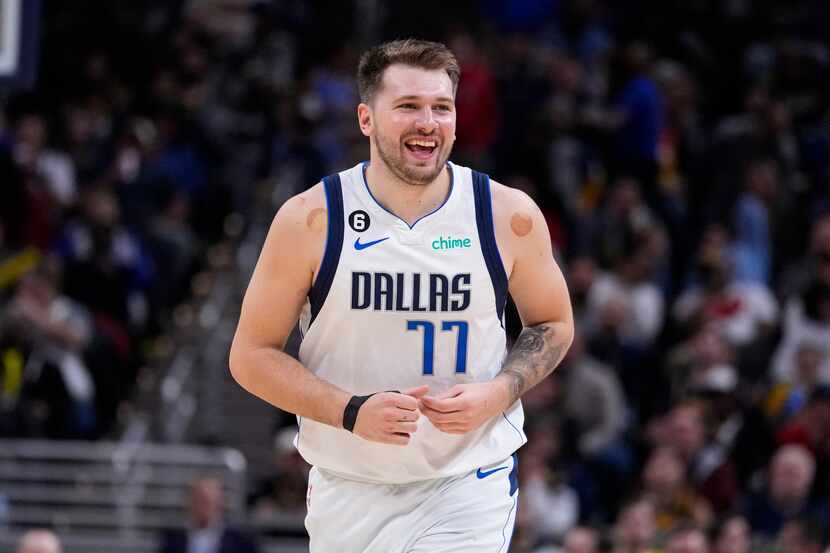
(424, 143)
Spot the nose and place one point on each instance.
(426, 123)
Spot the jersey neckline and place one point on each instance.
(365, 164)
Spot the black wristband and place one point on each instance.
(350, 412)
(354, 405)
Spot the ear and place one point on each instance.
(364, 119)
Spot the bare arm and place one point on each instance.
(272, 304)
(537, 287)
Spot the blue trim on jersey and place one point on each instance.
(487, 237)
(504, 538)
(503, 414)
(334, 245)
(514, 475)
(369, 190)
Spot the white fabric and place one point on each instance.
(459, 514)
(800, 331)
(365, 351)
(754, 307)
(204, 541)
(643, 301)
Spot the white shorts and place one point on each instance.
(469, 513)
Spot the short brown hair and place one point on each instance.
(416, 53)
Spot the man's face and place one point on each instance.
(411, 122)
(688, 542)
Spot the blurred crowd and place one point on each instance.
(680, 152)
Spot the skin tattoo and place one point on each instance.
(535, 354)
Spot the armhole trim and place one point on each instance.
(487, 238)
(334, 245)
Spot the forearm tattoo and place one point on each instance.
(535, 354)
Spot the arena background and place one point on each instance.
(680, 153)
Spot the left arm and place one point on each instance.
(538, 288)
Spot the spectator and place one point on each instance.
(551, 505)
(806, 320)
(803, 535)
(638, 120)
(733, 535)
(787, 494)
(207, 531)
(753, 240)
(688, 540)
(711, 472)
(478, 117)
(55, 168)
(593, 400)
(635, 529)
(38, 541)
(675, 501)
(58, 332)
(743, 313)
(581, 540)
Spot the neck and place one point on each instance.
(408, 201)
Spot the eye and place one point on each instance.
(442, 107)
(408, 106)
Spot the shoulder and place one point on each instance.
(517, 218)
(302, 219)
(304, 210)
(302, 222)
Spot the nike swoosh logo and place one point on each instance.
(358, 246)
(485, 473)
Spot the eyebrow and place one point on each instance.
(416, 97)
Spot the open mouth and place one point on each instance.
(421, 148)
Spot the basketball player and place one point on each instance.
(398, 270)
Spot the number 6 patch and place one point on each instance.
(359, 220)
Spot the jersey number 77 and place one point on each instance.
(429, 342)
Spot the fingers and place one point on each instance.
(404, 428)
(394, 439)
(447, 405)
(416, 392)
(438, 417)
(407, 401)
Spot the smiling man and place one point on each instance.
(399, 270)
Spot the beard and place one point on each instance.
(392, 154)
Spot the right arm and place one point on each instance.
(276, 294)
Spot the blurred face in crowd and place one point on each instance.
(687, 431)
(664, 471)
(791, 475)
(581, 540)
(39, 541)
(206, 503)
(101, 207)
(808, 360)
(793, 539)
(625, 196)
(762, 179)
(690, 541)
(411, 122)
(582, 271)
(734, 537)
(636, 526)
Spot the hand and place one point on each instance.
(465, 407)
(390, 417)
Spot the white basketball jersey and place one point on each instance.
(394, 307)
